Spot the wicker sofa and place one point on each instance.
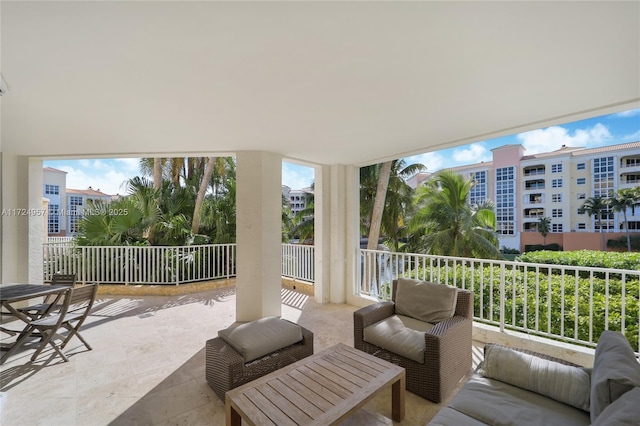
(227, 367)
(444, 356)
(518, 387)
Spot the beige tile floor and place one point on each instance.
(147, 365)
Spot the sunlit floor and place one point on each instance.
(147, 365)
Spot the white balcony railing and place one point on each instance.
(565, 303)
(162, 264)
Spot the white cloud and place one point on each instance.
(297, 177)
(109, 182)
(629, 113)
(131, 164)
(474, 153)
(552, 138)
(432, 160)
(633, 137)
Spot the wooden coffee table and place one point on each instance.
(322, 389)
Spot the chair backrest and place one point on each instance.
(63, 279)
(80, 299)
(464, 301)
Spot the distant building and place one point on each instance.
(417, 179)
(555, 184)
(66, 206)
(297, 198)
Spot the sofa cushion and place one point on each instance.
(425, 301)
(623, 411)
(448, 416)
(615, 371)
(563, 383)
(497, 403)
(261, 337)
(399, 334)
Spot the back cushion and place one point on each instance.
(615, 371)
(564, 383)
(425, 301)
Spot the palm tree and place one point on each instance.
(621, 201)
(397, 201)
(595, 206)
(543, 229)
(448, 224)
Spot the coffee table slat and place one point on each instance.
(268, 408)
(303, 400)
(326, 394)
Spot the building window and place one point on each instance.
(581, 181)
(556, 183)
(478, 193)
(53, 221)
(581, 166)
(556, 198)
(505, 200)
(75, 213)
(580, 211)
(52, 189)
(556, 168)
(582, 195)
(582, 226)
(556, 213)
(556, 227)
(603, 186)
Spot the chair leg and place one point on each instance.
(73, 331)
(49, 339)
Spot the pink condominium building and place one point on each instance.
(555, 184)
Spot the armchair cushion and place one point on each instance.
(399, 334)
(425, 301)
(623, 411)
(258, 338)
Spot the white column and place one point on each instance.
(336, 232)
(258, 235)
(21, 226)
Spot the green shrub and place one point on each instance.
(589, 258)
(543, 310)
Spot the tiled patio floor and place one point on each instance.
(147, 365)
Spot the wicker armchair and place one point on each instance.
(447, 354)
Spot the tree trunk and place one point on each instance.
(626, 227)
(208, 172)
(378, 205)
(157, 173)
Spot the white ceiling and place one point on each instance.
(319, 82)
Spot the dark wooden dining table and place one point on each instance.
(13, 293)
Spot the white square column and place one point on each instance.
(337, 236)
(258, 235)
(21, 225)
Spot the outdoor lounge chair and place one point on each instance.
(434, 349)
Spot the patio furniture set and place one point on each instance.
(64, 309)
(266, 372)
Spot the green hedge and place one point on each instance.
(547, 304)
(590, 258)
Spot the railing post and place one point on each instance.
(177, 266)
(502, 297)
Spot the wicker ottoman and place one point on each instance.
(226, 369)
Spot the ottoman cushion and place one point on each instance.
(258, 338)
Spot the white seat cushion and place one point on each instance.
(261, 337)
(399, 334)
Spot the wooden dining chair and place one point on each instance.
(39, 309)
(74, 310)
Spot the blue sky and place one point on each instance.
(108, 175)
